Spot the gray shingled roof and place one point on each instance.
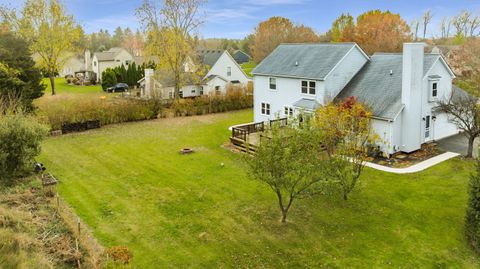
(108, 55)
(374, 86)
(315, 61)
(209, 57)
(307, 104)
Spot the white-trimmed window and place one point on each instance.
(434, 89)
(229, 71)
(193, 91)
(273, 83)
(309, 87)
(288, 111)
(265, 109)
(217, 90)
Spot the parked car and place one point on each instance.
(119, 87)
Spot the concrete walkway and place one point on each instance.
(416, 167)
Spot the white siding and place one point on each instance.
(441, 127)
(288, 92)
(209, 88)
(220, 69)
(343, 73)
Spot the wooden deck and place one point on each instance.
(248, 136)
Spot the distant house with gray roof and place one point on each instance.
(110, 59)
(241, 57)
(221, 71)
(402, 89)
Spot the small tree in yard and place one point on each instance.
(344, 129)
(472, 217)
(289, 161)
(464, 112)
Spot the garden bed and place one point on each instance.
(402, 160)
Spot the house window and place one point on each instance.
(288, 111)
(94, 63)
(217, 90)
(265, 109)
(434, 89)
(229, 71)
(308, 87)
(193, 91)
(170, 95)
(273, 83)
(311, 87)
(201, 90)
(180, 94)
(304, 87)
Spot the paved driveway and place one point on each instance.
(457, 143)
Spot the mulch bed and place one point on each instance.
(401, 160)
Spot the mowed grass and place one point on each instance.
(248, 67)
(62, 87)
(133, 188)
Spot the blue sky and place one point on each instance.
(237, 18)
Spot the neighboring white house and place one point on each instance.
(401, 89)
(110, 59)
(74, 64)
(222, 71)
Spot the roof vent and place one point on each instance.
(391, 72)
(296, 63)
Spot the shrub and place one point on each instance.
(472, 217)
(20, 138)
(70, 109)
(109, 78)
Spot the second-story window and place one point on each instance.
(308, 87)
(434, 89)
(229, 71)
(273, 84)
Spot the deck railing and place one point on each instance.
(242, 131)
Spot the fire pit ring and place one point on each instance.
(186, 151)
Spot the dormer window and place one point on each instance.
(229, 71)
(434, 89)
(273, 83)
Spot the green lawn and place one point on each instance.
(130, 184)
(248, 67)
(62, 87)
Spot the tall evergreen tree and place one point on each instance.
(19, 77)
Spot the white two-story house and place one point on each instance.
(401, 89)
(222, 71)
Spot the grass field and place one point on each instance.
(133, 188)
(248, 67)
(62, 87)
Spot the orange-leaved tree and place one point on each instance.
(276, 30)
(345, 131)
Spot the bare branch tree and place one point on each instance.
(464, 112)
(427, 17)
(474, 25)
(415, 25)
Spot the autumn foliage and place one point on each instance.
(374, 31)
(276, 30)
